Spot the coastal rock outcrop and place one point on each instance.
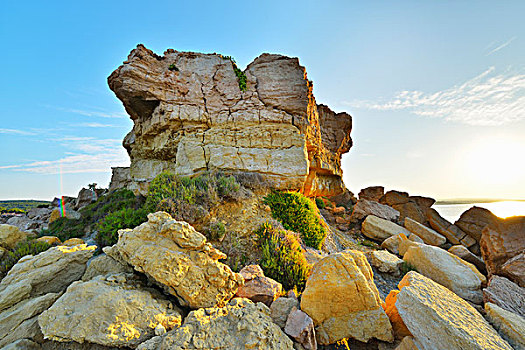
(439, 319)
(179, 259)
(194, 112)
(505, 294)
(381, 229)
(107, 311)
(343, 301)
(502, 246)
(474, 220)
(240, 324)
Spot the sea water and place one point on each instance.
(503, 209)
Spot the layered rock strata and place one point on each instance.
(190, 115)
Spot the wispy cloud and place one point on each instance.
(16, 132)
(499, 47)
(90, 112)
(94, 125)
(488, 99)
(84, 155)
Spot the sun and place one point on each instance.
(496, 161)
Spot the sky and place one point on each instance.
(436, 89)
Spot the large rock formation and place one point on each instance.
(190, 115)
(343, 301)
(179, 259)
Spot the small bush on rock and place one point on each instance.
(282, 257)
(65, 228)
(320, 203)
(29, 247)
(297, 213)
(120, 219)
(190, 198)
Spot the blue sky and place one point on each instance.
(436, 89)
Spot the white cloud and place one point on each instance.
(94, 125)
(488, 99)
(91, 112)
(499, 47)
(85, 155)
(16, 132)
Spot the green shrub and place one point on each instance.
(65, 228)
(124, 218)
(282, 257)
(241, 77)
(320, 203)
(215, 231)
(297, 213)
(189, 198)
(29, 247)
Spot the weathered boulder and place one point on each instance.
(465, 254)
(281, 308)
(502, 241)
(385, 262)
(120, 178)
(104, 265)
(514, 268)
(408, 343)
(240, 324)
(71, 213)
(447, 269)
(439, 319)
(51, 240)
(178, 258)
(365, 207)
(392, 243)
(442, 226)
(414, 207)
(84, 198)
(10, 235)
(40, 214)
(343, 301)
(428, 235)
(258, 287)
(474, 220)
(48, 272)
(510, 325)
(380, 229)
(23, 223)
(190, 115)
(372, 193)
(300, 327)
(73, 242)
(107, 311)
(505, 294)
(13, 327)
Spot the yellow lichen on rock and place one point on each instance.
(343, 301)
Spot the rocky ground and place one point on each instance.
(389, 272)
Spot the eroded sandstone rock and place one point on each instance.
(380, 229)
(239, 325)
(300, 327)
(428, 235)
(257, 287)
(510, 325)
(281, 308)
(10, 235)
(343, 301)
(190, 115)
(180, 259)
(365, 207)
(48, 272)
(447, 269)
(502, 241)
(506, 294)
(107, 311)
(439, 319)
(372, 193)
